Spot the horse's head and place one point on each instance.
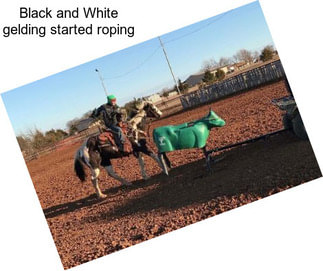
(151, 110)
(213, 120)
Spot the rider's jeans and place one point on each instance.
(120, 138)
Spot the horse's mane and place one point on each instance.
(132, 108)
(131, 113)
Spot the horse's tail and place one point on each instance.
(79, 166)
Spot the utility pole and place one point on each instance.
(102, 82)
(170, 68)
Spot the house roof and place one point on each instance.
(194, 79)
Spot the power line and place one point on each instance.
(137, 67)
(200, 28)
(172, 40)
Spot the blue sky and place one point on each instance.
(136, 71)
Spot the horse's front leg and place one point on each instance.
(95, 181)
(111, 173)
(142, 166)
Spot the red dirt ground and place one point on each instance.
(85, 228)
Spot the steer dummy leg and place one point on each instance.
(163, 162)
(95, 181)
(155, 157)
(111, 173)
(168, 163)
(148, 152)
(207, 158)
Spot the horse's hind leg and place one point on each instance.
(95, 181)
(111, 173)
(148, 152)
(106, 163)
(92, 159)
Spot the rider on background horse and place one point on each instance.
(112, 118)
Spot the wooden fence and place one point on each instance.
(68, 141)
(243, 81)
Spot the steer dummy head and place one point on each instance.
(213, 120)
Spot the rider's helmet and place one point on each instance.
(111, 98)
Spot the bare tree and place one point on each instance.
(244, 55)
(209, 65)
(235, 58)
(25, 143)
(224, 61)
(38, 139)
(255, 55)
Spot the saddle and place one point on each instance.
(107, 139)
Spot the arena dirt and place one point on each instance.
(85, 228)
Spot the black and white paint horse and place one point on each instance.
(93, 155)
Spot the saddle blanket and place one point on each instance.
(107, 138)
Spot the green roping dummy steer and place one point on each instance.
(185, 136)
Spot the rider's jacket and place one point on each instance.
(111, 114)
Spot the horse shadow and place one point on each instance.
(91, 200)
(249, 169)
(70, 206)
(251, 172)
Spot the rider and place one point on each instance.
(112, 117)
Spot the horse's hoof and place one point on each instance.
(102, 196)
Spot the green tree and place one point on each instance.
(38, 140)
(183, 87)
(53, 136)
(220, 74)
(208, 77)
(61, 134)
(267, 53)
(71, 126)
(165, 94)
